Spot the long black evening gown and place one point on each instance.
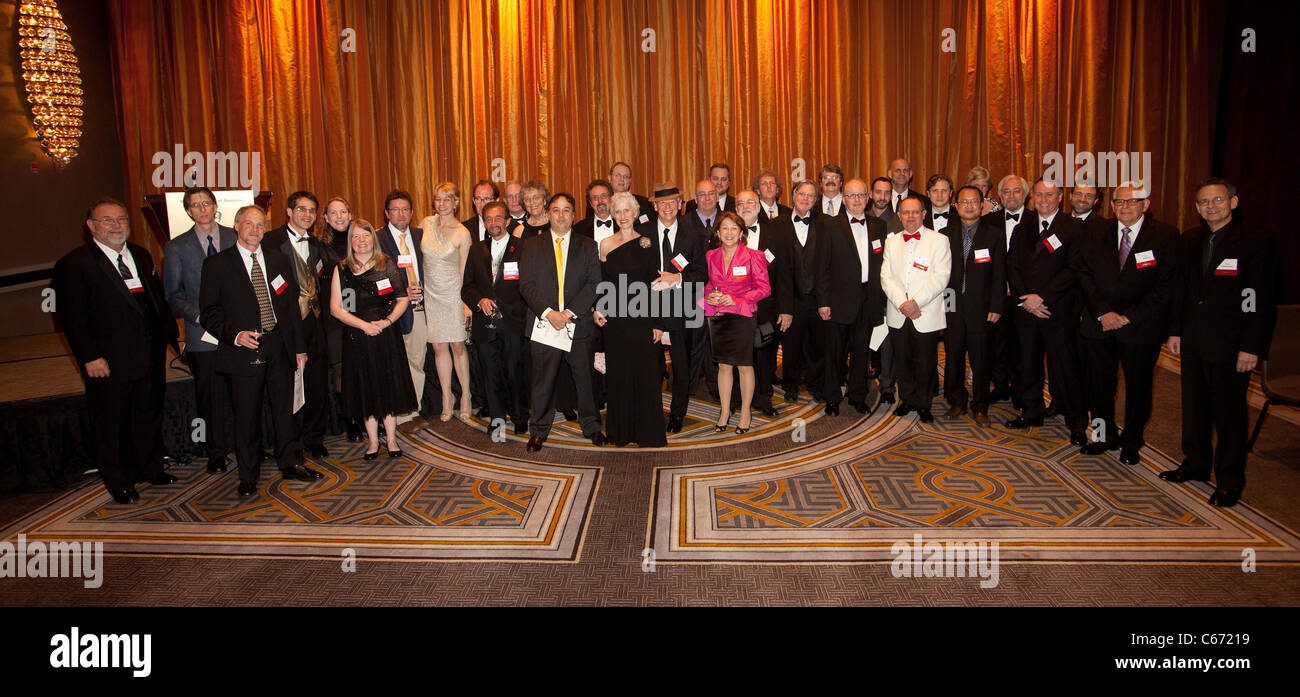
(633, 382)
(376, 380)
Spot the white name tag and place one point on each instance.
(1145, 259)
(510, 270)
(208, 338)
(982, 256)
(680, 262)
(1228, 267)
(134, 285)
(320, 266)
(384, 286)
(278, 284)
(739, 271)
(643, 219)
(1052, 243)
(405, 260)
(876, 246)
(770, 256)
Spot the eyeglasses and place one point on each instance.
(122, 220)
(482, 199)
(304, 209)
(1217, 200)
(854, 196)
(399, 210)
(202, 204)
(969, 201)
(1128, 201)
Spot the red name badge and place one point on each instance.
(739, 273)
(278, 284)
(510, 271)
(384, 286)
(982, 256)
(1228, 267)
(1052, 243)
(680, 262)
(876, 247)
(320, 266)
(1145, 259)
(921, 263)
(134, 285)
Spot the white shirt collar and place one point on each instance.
(112, 255)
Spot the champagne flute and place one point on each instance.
(256, 334)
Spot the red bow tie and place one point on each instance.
(909, 236)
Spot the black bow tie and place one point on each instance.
(1013, 216)
(605, 223)
(753, 228)
(940, 215)
(857, 221)
(806, 220)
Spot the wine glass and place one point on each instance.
(257, 335)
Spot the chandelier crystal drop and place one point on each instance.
(52, 78)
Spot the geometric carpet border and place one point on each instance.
(488, 508)
(840, 514)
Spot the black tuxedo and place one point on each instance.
(474, 224)
(313, 418)
(1214, 321)
(501, 348)
(103, 318)
(977, 286)
(679, 306)
(587, 226)
(539, 287)
(1005, 366)
(803, 345)
(774, 241)
(856, 307)
(951, 219)
(228, 305)
(1033, 267)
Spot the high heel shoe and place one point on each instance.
(393, 453)
(719, 428)
(445, 416)
(371, 456)
(743, 431)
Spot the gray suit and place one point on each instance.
(182, 266)
(182, 277)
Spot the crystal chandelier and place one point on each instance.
(52, 78)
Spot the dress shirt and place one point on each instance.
(862, 239)
(247, 256)
(1011, 224)
(411, 245)
(299, 240)
(126, 257)
(800, 229)
(831, 206)
(672, 244)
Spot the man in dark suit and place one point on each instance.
(512, 194)
(401, 242)
(880, 206)
(682, 271)
(720, 178)
(114, 314)
(1045, 290)
(558, 276)
(701, 215)
(883, 358)
(940, 214)
(849, 297)
(830, 199)
(314, 277)
(1221, 325)
(182, 275)
(1083, 207)
(484, 192)
(976, 297)
(803, 346)
(900, 179)
(249, 300)
(599, 222)
(776, 311)
(1007, 381)
(620, 178)
(1127, 277)
(768, 188)
(491, 288)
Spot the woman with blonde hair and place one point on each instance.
(446, 247)
(376, 382)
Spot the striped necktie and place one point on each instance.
(267, 313)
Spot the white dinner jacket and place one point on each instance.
(902, 281)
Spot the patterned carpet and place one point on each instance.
(851, 496)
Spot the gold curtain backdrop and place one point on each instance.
(437, 91)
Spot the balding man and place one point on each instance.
(249, 302)
(1012, 191)
(1127, 276)
(776, 311)
(1045, 293)
(900, 179)
(720, 177)
(803, 345)
(620, 179)
(117, 322)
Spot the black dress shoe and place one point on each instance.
(570, 415)
(832, 410)
(860, 406)
(1052, 410)
(521, 428)
(1224, 498)
(1078, 437)
(1099, 447)
(1022, 422)
(535, 444)
(674, 424)
(925, 416)
(247, 489)
(318, 451)
(598, 439)
(163, 479)
(1182, 475)
(791, 396)
(126, 496)
(887, 398)
(216, 464)
(1130, 456)
(770, 412)
(354, 432)
(301, 472)
(902, 409)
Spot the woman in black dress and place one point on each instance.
(535, 196)
(632, 381)
(334, 233)
(376, 383)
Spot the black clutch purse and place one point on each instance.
(763, 334)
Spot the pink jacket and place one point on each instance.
(746, 281)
